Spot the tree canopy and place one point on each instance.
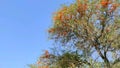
(92, 26)
(87, 33)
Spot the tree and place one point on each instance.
(43, 61)
(93, 26)
(67, 59)
(71, 59)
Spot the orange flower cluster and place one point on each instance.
(63, 31)
(51, 30)
(82, 7)
(47, 55)
(105, 3)
(107, 30)
(67, 17)
(60, 14)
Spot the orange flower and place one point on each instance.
(104, 3)
(64, 33)
(107, 30)
(46, 54)
(85, 6)
(58, 16)
(51, 30)
(82, 7)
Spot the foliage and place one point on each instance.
(43, 61)
(33, 66)
(70, 60)
(91, 26)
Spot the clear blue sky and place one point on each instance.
(23, 30)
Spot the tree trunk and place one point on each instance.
(107, 63)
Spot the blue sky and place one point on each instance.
(23, 30)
